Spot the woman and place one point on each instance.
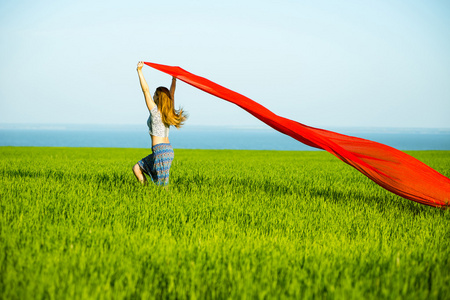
(162, 115)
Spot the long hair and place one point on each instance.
(165, 103)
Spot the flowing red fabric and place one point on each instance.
(392, 169)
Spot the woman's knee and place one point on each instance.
(137, 169)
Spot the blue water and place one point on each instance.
(130, 136)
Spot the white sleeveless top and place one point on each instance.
(155, 124)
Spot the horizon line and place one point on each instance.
(104, 126)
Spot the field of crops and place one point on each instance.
(75, 224)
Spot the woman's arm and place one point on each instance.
(148, 97)
(172, 88)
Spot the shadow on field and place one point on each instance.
(360, 199)
(354, 198)
(34, 174)
(101, 177)
(350, 197)
(306, 192)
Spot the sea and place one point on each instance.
(208, 137)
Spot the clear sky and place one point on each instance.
(323, 63)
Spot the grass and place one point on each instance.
(75, 224)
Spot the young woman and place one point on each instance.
(162, 115)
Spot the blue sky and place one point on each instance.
(322, 63)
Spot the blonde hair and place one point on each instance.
(165, 104)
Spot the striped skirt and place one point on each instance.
(157, 165)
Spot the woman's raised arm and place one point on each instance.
(148, 97)
(172, 88)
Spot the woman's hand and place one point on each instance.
(140, 65)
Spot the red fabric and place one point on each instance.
(392, 169)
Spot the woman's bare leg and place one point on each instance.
(139, 174)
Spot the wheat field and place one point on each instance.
(75, 224)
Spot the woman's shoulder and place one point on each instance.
(155, 113)
(154, 110)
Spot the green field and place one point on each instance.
(75, 224)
